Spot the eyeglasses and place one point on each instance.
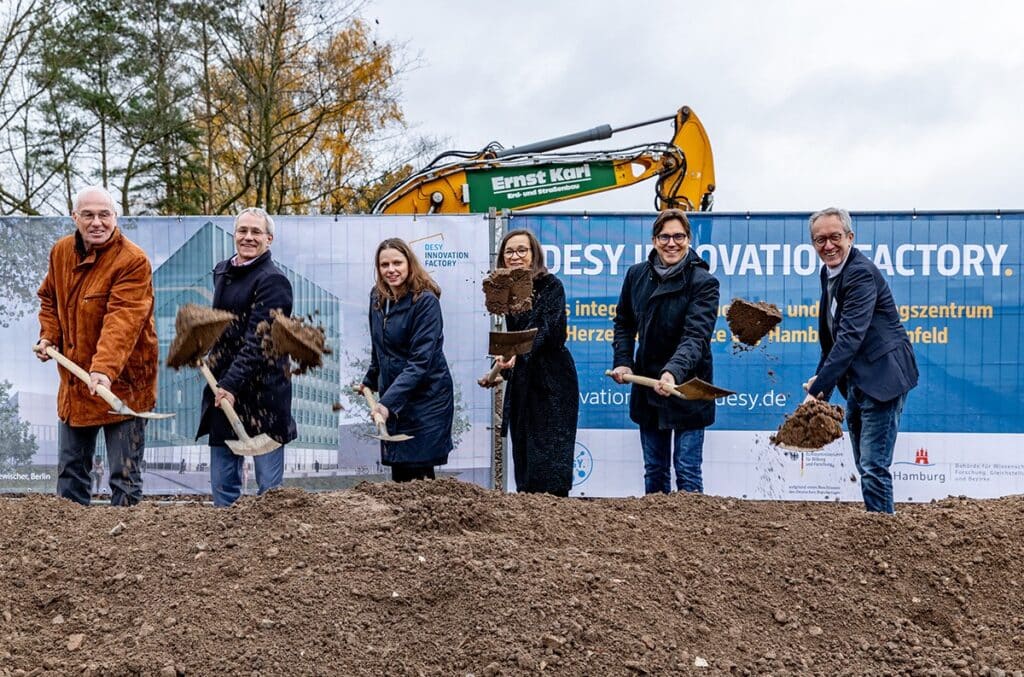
(255, 232)
(518, 253)
(678, 238)
(104, 215)
(834, 238)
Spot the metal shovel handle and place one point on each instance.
(110, 398)
(229, 411)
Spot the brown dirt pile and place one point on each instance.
(296, 337)
(813, 425)
(508, 291)
(447, 578)
(196, 329)
(751, 322)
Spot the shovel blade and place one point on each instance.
(400, 437)
(509, 343)
(799, 450)
(256, 446)
(151, 415)
(699, 389)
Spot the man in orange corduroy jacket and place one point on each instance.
(96, 307)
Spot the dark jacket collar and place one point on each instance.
(850, 258)
(227, 268)
(691, 261)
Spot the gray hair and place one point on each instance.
(841, 214)
(258, 211)
(93, 189)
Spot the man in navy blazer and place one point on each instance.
(864, 350)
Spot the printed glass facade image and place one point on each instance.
(187, 277)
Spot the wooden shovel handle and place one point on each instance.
(645, 381)
(371, 402)
(225, 406)
(110, 398)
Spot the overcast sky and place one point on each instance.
(869, 105)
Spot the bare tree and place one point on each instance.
(302, 103)
(20, 25)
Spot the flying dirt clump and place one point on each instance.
(196, 328)
(751, 322)
(508, 291)
(813, 425)
(296, 337)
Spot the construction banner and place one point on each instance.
(956, 278)
(330, 264)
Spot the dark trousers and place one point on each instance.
(76, 446)
(407, 473)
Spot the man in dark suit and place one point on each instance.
(864, 350)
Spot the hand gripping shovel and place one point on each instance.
(694, 389)
(382, 431)
(197, 329)
(117, 406)
(244, 445)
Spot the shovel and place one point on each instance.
(116, 405)
(382, 431)
(507, 290)
(798, 450)
(694, 389)
(198, 328)
(503, 345)
(244, 445)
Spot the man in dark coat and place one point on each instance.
(671, 301)
(864, 350)
(260, 389)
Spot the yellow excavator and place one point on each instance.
(463, 182)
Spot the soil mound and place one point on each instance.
(446, 578)
(750, 322)
(813, 425)
(508, 291)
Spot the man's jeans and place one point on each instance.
(689, 452)
(226, 473)
(873, 426)
(76, 446)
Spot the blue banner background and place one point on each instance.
(970, 384)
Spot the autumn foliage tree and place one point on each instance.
(303, 102)
(204, 106)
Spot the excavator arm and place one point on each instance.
(459, 182)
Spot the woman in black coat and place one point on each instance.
(542, 397)
(260, 389)
(407, 364)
